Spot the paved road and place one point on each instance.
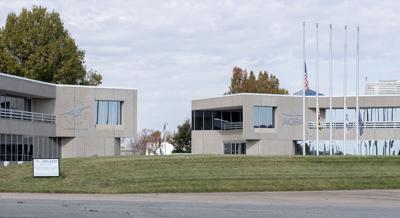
(372, 203)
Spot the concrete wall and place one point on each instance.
(90, 146)
(43, 105)
(212, 142)
(274, 141)
(29, 88)
(76, 117)
(288, 122)
(75, 110)
(20, 127)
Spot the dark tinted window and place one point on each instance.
(217, 121)
(208, 120)
(198, 120)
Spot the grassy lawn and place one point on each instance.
(192, 173)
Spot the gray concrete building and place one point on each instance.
(44, 120)
(265, 124)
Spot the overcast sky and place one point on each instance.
(176, 51)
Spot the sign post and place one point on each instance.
(46, 167)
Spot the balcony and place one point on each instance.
(367, 125)
(232, 125)
(214, 119)
(27, 116)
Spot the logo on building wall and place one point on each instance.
(292, 119)
(76, 112)
(76, 118)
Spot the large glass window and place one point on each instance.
(208, 120)
(264, 117)
(198, 120)
(367, 114)
(365, 147)
(109, 113)
(15, 103)
(217, 120)
(25, 148)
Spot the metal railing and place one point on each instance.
(368, 125)
(232, 125)
(27, 116)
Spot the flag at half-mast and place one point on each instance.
(306, 85)
(360, 123)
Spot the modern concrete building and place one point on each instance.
(384, 87)
(265, 124)
(44, 120)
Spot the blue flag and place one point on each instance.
(360, 123)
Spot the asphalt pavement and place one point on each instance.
(369, 203)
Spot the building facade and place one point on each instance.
(264, 124)
(44, 120)
(385, 87)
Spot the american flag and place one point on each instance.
(306, 85)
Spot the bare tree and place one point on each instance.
(147, 140)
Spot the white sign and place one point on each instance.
(46, 167)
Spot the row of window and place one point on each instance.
(15, 103)
(108, 112)
(216, 120)
(366, 114)
(365, 147)
(25, 148)
(264, 117)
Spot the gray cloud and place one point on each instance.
(176, 51)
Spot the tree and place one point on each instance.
(34, 44)
(141, 142)
(147, 139)
(182, 140)
(237, 81)
(251, 83)
(265, 83)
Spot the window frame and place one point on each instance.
(109, 118)
(257, 124)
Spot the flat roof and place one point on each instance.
(61, 85)
(293, 96)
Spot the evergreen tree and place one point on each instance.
(182, 140)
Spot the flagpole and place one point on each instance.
(345, 91)
(304, 89)
(317, 90)
(357, 89)
(330, 90)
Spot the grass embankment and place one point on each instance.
(191, 173)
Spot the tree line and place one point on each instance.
(244, 82)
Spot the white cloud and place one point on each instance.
(175, 51)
